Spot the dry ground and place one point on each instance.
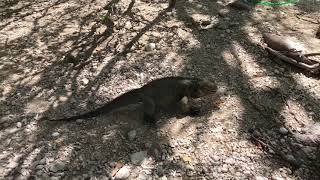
(63, 57)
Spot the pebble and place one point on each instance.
(19, 124)
(150, 46)
(132, 135)
(57, 167)
(128, 25)
(138, 157)
(277, 177)
(123, 173)
(260, 178)
(224, 168)
(283, 131)
(79, 121)
(42, 161)
(55, 134)
(54, 178)
(38, 167)
(39, 173)
(291, 158)
(85, 81)
(230, 161)
(142, 176)
(216, 158)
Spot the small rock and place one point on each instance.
(39, 173)
(150, 46)
(123, 173)
(283, 131)
(224, 168)
(85, 81)
(229, 161)
(57, 167)
(38, 167)
(128, 25)
(19, 124)
(260, 178)
(291, 158)
(79, 121)
(142, 176)
(216, 158)
(55, 134)
(277, 177)
(132, 135)
(138, 157)
(54, 178)
(42, 161)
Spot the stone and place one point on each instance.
(138, 157)
(277, 177)
(42, 161)
(39, 172)
(54, 178)
(150, 46)
(40, 166)
(142, 176)
(283, 131)
(85, 81)
(230, 161)
(224, 168)
(57, 167)
(132, 135)
(260, 178)
(79, 121)
(123, 173)
(19, 124)
(55, 134)
(128, 25)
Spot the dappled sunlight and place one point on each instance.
(311, 86)
(248, 65)
(295, 116)
(62, 58)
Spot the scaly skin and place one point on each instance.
(157, 94)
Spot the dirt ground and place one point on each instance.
(63, 57)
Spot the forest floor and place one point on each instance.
(63, 57)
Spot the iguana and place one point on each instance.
(157, 94)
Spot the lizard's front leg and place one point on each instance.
(149, 109)
(186, 108)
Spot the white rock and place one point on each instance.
(123, 173)
(39, 173)
(128, 25)
(283, 131)
(142, 176)
(55, 134)
(150, 46)
(230, 161)
(132, 135)
(224, 168)
(260, 178)
(42, 161)
(54, 178)
(138, 157)
(38, 167)
(277, 177)
(85, 81)
(79, 121)
(19, 124)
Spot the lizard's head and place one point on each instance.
(203, 88)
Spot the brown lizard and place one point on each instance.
(157, 94)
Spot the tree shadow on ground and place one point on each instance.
(88, 147)
(263, 107)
